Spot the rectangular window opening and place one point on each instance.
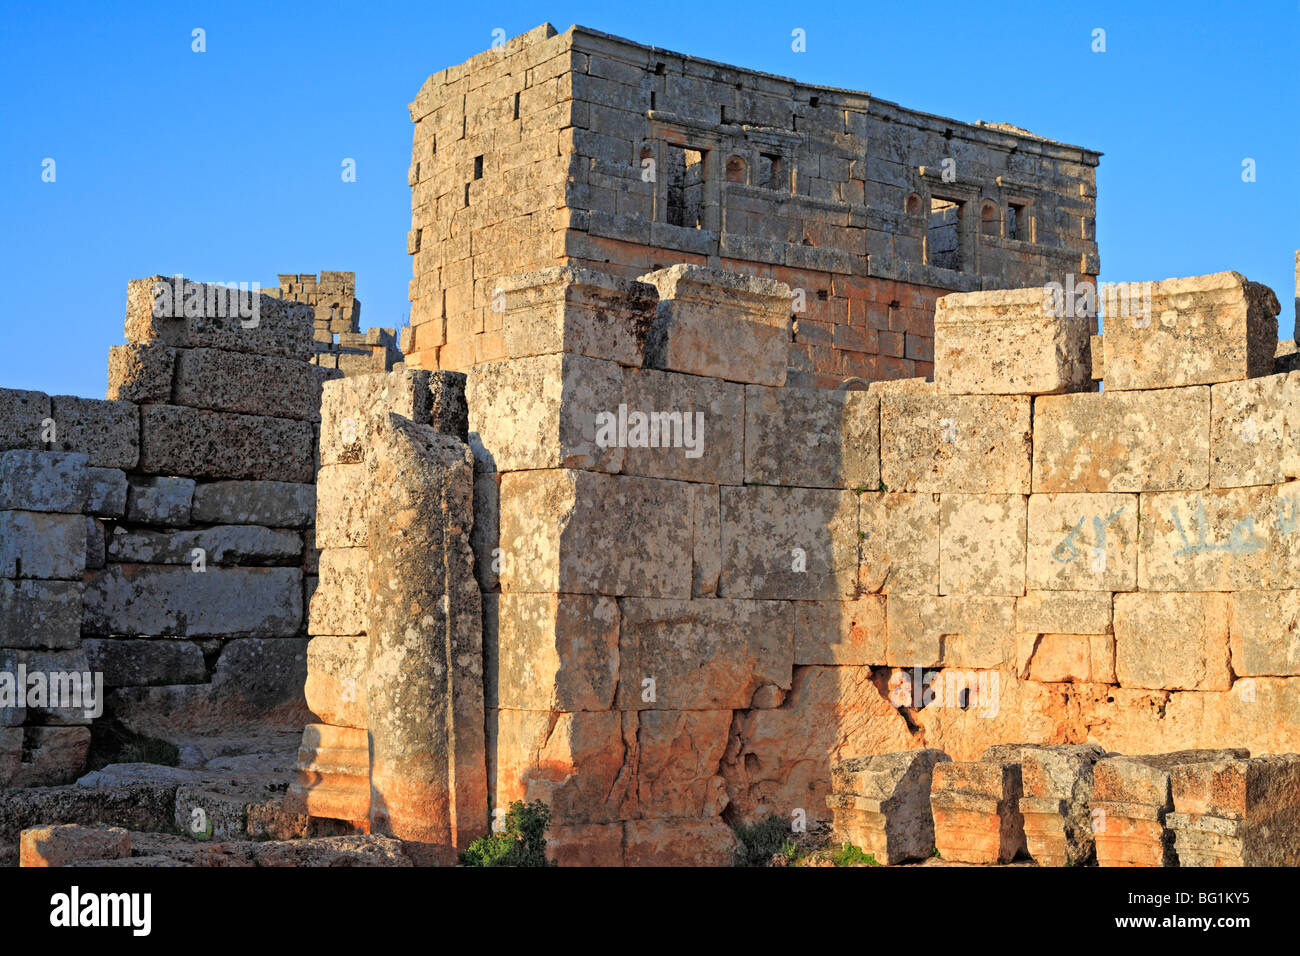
(943, 235)
(478, 167)
(1018, 221)
(685, 182)
(769, 171)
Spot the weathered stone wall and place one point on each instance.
(587, 150)
(676, 641)
(339, 341)
(163, 538)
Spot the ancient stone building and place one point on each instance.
(338, 340)
(585, 149)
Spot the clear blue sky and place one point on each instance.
(225, 165)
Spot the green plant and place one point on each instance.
(521, 842)
(760, 841)
(850, 855)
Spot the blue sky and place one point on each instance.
(225, 165)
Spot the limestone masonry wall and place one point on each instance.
(587, 150)
(163, 537)
(338, 340)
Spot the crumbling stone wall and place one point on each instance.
(339, 341)
(163, 538)
(587, 150)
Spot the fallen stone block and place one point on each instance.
(190, 441)
(40, 614)
(719, 324)
(108, 433)
(43, 481)
(35, 544)
(70, 843)
(812, 438)
(1122, 441)
(184, 314)
(1131, 798)
(1010, 342)
(276, 504)
(1056, 805)
(153, 600)
(881, 804)
(977, 811)
(578, 311)
(1195, 331)
(160, 501)
(955, 443)
(1237, 811)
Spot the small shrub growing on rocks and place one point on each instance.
(521, 842)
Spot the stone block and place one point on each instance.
(40, 614)
(338, 604)
(1009, 342)
(336, 679)
(970, 631)
(253, 384)
(899, 543)
(1122, 441)
(575, 311)
(838, 633)
(676, 755)
(1211, 541)
(702, 654)
(1199, 331)
(107, 433)
(1172, 641)
(1064, 612)
(1248, 431)
(278, 504)
(571, 762)
(1066, 658)
(679, 843)
(556, 652)
(141, 373)
(180, 313)
(1237, 812)
(982, 544)
(793, 543)
(23, 416)
(350, 405)
(448, 409)
(160, 501)
(565, 531)
(548, 412)
(881, 804)
(333, 774)
(218, 545)
(35, 544)
(143, 599)
(706, 521)
(52, 756)
(43, 481)
(342, 500)
(1082, 542)
(1264, 633)
(719, 324)
(812, 438)
(942, 443)
(678, 426)
(977, 811)
(127, 662)
(1057, 787)
(190, 441)
(106, 497)
(70, 844)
